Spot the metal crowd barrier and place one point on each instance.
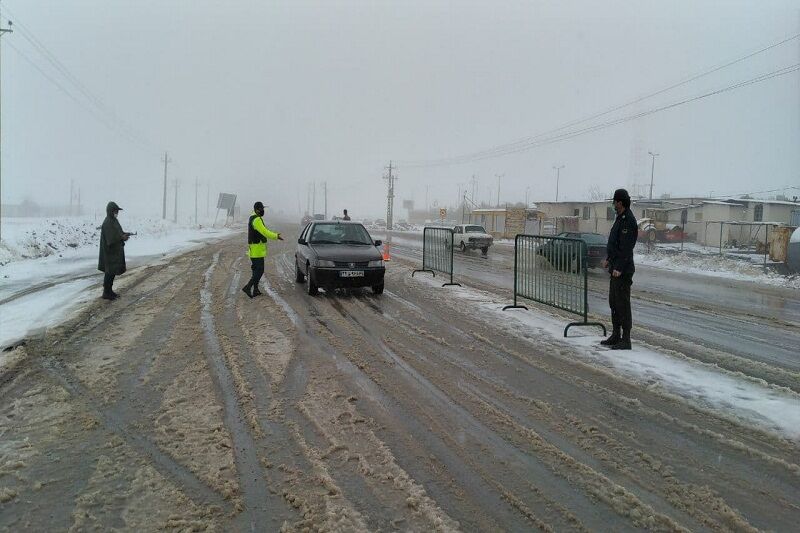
(437, 252)
(553, 271)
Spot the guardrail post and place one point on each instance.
(424, 247)
(452, 265)
(516, 254)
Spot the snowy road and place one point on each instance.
(740, 319)
(186, 405)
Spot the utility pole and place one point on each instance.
(474, 182)
(498, 188)
(427, 205)
(175, 212)
(79, 201)
(325, 188)
(527, 190)
(71, 195)
(558, 177)
(166, 161)
(3, 31)
(196, 186)
(390, 178)
(208, 198)
(652, 172)
(313, 198)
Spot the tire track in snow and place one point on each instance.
(252, 483)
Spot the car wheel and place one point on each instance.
(378, 289)
(299, 277)
(485, 250)
(312, 287)
(463, 247)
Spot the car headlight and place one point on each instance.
(376, 263)
(325, 263)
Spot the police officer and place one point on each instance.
(619, 261)
(257, 236)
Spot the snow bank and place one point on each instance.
(715, 265)
(772, 408)
(48, 265)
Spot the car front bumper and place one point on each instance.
(331, 277)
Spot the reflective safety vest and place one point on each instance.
(257, 236)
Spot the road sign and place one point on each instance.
(442, 213)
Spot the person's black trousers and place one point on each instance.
(257, 266)
(619, 299)
(108, 281)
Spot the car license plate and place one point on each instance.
(351, 274)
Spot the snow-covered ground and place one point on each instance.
(773, 408)
(48, 266)
(715, 265)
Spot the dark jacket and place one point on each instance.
(621, 241)
(112, 247)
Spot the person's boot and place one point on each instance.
(107, 295)
(256, 292)
(114, 294)
(613, 339)
(246, 290)
(624, 342)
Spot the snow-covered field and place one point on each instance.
(48, 266)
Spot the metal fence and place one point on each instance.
(553, 271)
(437, 252)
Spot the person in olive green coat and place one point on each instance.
(112, 250)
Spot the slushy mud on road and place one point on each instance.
(185, 405)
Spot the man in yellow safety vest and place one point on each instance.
(257, 236)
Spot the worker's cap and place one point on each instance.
(621, 195)
(112, 206)
(258, 205)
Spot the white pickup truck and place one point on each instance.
(471, 237)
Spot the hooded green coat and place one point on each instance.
(112, 247)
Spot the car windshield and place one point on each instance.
(593, 238)
(474, 229)
(340, 234)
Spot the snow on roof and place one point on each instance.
(718, 202)
(757, 201)
(489, 210)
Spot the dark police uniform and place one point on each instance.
(621, 242)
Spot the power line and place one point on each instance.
(512, 149)
(527, 140)
(95, 106)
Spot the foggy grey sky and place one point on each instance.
(260, 98)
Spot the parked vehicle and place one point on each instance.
(651, 231)
(336, 255)
(595, 249)
(472, 237)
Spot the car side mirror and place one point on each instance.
(378, 243)
(301, 241)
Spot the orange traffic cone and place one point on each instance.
(386, 255)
